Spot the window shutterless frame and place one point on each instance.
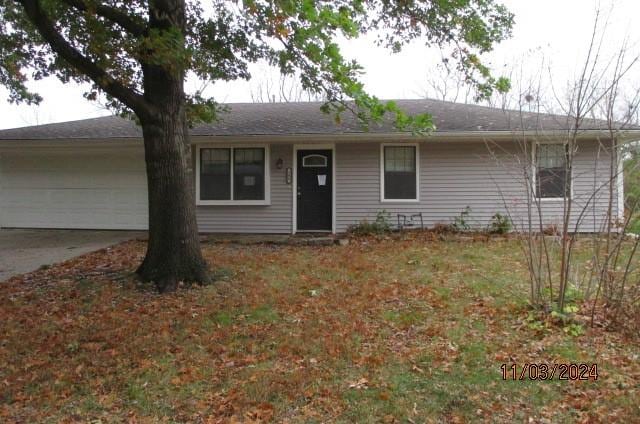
(382, 176)
(267, 174)
(534, 176)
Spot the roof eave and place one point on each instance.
(504, 135)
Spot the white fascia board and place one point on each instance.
(479, 136)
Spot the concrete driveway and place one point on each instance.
(26, 250)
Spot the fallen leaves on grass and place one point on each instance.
(378, 330)
(362, 383)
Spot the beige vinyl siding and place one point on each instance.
(270, 219)
(454, 175)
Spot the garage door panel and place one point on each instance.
(68, 180)
(102, 191)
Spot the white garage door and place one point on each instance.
(80, 188)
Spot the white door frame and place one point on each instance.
(294, 187)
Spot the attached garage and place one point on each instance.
(81, 187)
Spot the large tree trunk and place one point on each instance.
(173, 253)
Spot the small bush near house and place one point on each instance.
(461, 222)
(380, 226)
(500, 224)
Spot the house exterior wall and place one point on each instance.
(488, 178)
(106, 188)
(270, 219)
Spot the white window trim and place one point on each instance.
(382, 198)
(534, 177)
(267, 175)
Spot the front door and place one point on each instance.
(315, 188)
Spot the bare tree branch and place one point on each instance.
(135, 28)
(61, 46)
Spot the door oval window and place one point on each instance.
(314, 161)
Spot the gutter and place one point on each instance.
(624, 136)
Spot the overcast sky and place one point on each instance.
(559, 30)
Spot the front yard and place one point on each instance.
(411, 330)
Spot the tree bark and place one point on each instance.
(173, 252)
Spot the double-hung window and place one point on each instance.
(552, 179)
(233, 175)
(399, 172)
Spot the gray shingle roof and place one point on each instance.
(306, 118)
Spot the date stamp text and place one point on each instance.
(549, 372)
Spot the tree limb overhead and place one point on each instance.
(119, 17)
(66, 51)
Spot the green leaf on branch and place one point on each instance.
(115, 43)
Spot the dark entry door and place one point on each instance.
(315, 187)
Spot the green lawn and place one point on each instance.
(411, 330)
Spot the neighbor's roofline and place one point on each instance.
(501, 135)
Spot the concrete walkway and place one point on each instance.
(26, 250)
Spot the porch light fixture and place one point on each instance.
(279, 163)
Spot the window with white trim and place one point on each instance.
(552, 180)
(400, 172)
(232, 174)
(248, 174)
(215, 174)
